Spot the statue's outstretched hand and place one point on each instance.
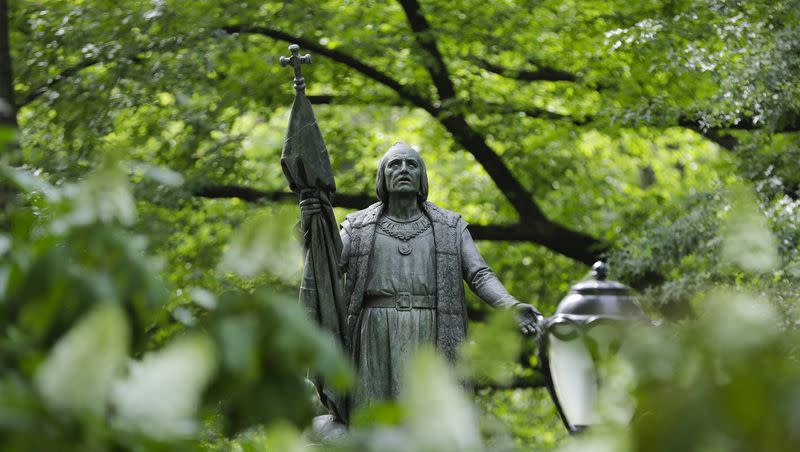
(308, 208)
(529, 319)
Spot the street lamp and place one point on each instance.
(587, 325)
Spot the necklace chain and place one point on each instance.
(404, 231)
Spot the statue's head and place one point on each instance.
(401, 170)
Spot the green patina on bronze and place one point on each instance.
(404, 259)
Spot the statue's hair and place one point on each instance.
(380, 179)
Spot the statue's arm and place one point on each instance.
(479, 277)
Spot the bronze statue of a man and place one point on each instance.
(404, 260)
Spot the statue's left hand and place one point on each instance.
(528, 318)
(308, 208)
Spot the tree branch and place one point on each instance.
(560, 239)
(499, 233)
(130, 57)
(543, 73)
(435, 64)
(573, 244)
(370, 72)
(715, 134)
(344, 200)
(720, 135)
(333, 99)
(725, 140)
(535, 381)
(749, 123)
(539, 113)
(55, 80)
(61, 76)
(492, 107)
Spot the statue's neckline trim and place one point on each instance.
(395, 220)
(404, 231)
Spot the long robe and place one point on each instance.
(387, 336)
(381, 338)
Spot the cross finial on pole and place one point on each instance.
(295, 61)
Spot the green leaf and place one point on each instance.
(438, 414)
(78, 374)
(162, 393)
(492, 349)
(265, 242)
(748, 241)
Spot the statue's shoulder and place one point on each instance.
(442, 215)
(363, 217)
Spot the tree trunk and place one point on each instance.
(8, 111)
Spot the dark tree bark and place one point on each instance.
(8, 111)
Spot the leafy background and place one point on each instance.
(149, 267)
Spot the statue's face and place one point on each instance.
(403, 172)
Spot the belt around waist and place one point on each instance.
(402, 302)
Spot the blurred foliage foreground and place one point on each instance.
(90, 360)
(632, 122)
(87, 358)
